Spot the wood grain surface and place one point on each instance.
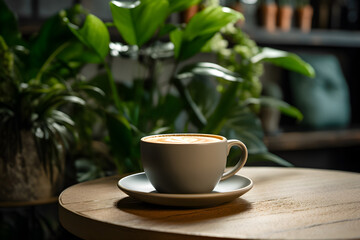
(285, 203)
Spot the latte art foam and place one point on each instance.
(182, 139)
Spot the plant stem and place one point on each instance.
(114, 91)
(49, 60)
(172, 78)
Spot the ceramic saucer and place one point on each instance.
(139, 187)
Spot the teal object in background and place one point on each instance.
(323, 100)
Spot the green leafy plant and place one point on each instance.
(185, 96)
(39, 81)
(196, 97)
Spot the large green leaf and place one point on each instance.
(138, 21)
(9, 28)
(225, 106)
(282, 106)
(207, 69)
(195, 112)
(51, 37)
(244, 125)
(187, 49)
(284, 59)
(180, 5)
(205, 93)
(201, 28)
(210, 20)
(93, 34)
(76, 51)
(176, 37)
(122, 13)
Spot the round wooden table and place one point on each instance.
(285, 203)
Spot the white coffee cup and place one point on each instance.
(188, 162)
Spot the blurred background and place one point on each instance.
(326, 33)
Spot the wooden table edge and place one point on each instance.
(89, 229)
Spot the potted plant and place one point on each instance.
(237, 6)
(38, 80)
(285, 15)
(268, 10)
(188, 13)
(304, 14)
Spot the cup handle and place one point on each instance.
(242, 160)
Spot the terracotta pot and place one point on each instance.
(25, 179)
(304, 17)
(189, 13)
(238, 7)
(268, 13)
(285, 18)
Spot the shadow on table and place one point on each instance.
(182, 214)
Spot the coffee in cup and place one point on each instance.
(188, 163)
(182, 139)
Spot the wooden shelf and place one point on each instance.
(317, 38)
(290, 141)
